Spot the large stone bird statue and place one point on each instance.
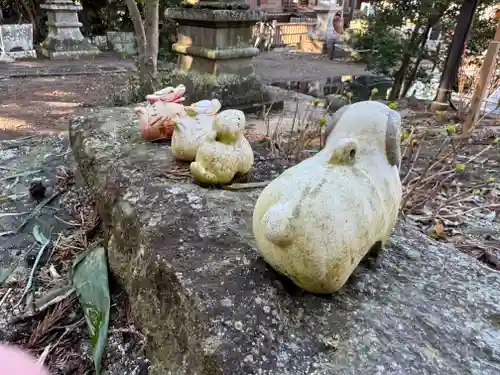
(319, 219)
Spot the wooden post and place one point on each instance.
(480, 91)
(454, 56)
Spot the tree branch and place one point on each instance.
(140, 34)
(152, 18)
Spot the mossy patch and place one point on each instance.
(233, 91)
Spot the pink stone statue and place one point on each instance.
(163, 110)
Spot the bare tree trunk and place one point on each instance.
(152, 18)
(421, 53)
(405, 64)
(33, 19)
(148, 50)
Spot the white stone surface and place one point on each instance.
(18, 40)
(318, 220)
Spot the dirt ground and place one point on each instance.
(44, 104)
(54, 329)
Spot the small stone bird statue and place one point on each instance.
(205, 107)
(225, 152)
(37, 190)
(320, 218)
(192, 130)
(163, 109)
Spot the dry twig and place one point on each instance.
(46, 326)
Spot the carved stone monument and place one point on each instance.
(215, 52)
(206, 303)
(318, 40)
(65, 38)
(191, 131)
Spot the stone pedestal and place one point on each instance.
(324, 14)
(65, 38)
(215, 53)
(323, 20)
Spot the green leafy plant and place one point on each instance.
(396, 36)
(451, 129)
(90, 280)
(404, 134)
(322, 121)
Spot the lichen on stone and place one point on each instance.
(180, 265)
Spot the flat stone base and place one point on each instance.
(23, 54)
(232, 90)
(56, 48)
(207, 303)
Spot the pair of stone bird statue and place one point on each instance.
(213, 142)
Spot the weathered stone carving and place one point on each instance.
(215, 52)
(225, 152)
(163, 110)
(168, 94)
(64, 38)
(196, 285)
(192, 130)
(206, 107)
(319, 219)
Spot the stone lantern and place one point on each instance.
(65, 38)
(215, 52)
(325, 11)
